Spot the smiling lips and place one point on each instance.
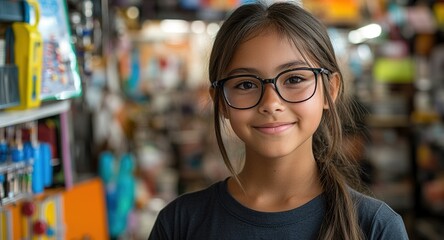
(274, 128)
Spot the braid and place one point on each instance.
(336, 173)
(338, 208)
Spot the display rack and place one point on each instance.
(57, 108)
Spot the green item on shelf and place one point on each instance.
(394, 70)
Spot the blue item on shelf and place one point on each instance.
(27, 151)
(126, 184)
(4, 150)
(106, 166)
(17, 154)
(120, 190)
(46, 159)
(37, 169)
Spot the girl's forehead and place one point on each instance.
(266, 47)
(292, 39)
(264, 40)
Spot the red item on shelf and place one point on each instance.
(39, 227)
(28, 209)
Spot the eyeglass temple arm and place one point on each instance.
(325, 71)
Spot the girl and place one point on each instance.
(275, 78)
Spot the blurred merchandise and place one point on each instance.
(60, 77)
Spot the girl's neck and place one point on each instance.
(277, 185)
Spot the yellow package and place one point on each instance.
(28, 51)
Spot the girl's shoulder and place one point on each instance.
(194, 200)
(377, 218)
(185, 214)
(368, 205)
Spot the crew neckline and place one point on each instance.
(311, 209)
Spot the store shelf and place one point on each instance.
(11, 167)
(9, 118)
(388, 121)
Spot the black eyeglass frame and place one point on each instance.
(316, 71)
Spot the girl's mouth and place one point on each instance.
(274, 128)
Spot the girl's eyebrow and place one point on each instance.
(293, 64)
(282, 67)
(243, 71)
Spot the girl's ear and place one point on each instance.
(222, 107)
(334, 87)
(212, 93)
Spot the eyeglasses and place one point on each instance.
(293, 85)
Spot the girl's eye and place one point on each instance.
(246, 85)
(293, 80)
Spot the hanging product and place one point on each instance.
(9, 92)
(120, 187)
(28, 49)
(60, 78)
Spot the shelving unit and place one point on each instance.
(53, 120)
(59, 108)
(429, 170)
(8, 118)
(409, 120)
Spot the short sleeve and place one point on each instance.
(388, 225)
(158, 231)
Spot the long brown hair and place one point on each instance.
(337, 172)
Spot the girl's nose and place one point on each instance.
(271, 102)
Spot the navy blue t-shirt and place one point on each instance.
(214, 214)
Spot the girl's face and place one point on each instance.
(274, 128)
